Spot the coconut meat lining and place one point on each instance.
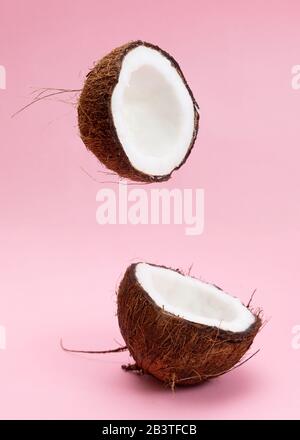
(192, 299)
(153, 112)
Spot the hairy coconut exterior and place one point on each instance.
(95, 118)
(174, 350)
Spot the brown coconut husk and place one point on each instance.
(174, 350)
(95, 118)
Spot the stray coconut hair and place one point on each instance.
(136, 112)
(179, 329)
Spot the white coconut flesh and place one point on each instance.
(192, 299)
(153, 112)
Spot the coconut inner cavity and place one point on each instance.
(192, 299)
(153, 112)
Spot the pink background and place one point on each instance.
(59, 268)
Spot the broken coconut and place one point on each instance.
(137, 114)
(179, 329)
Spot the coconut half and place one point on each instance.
(137, 113)
(180, 329)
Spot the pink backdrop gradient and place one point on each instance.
(59, 269)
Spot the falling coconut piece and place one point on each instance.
(137, 114)
(179, 329)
